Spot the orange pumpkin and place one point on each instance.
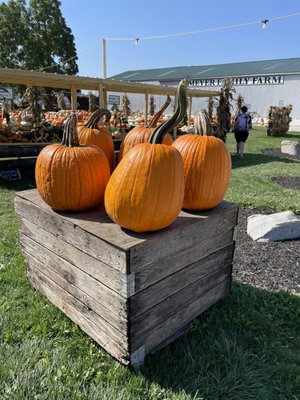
(69, 176)
(141, 134)
(145, 191)
(92, 133)
(207, 170)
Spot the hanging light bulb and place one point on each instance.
(264, 23)
(136, 41)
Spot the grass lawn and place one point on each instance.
(245, 347)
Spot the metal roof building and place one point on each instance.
(261, 83)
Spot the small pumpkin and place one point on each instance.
(92, 133)
(69, 176)
(145, 191)
(141, 134)
(207, 169)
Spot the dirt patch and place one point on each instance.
(288, 182)
(273, 266)
(278, 153)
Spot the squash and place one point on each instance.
(141, 134)
(69, 176)
(202, 124)
(145, 191)
(91, 133)
(207, 170)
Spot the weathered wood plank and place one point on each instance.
(166, 330)
(91, 265)
(77, 312)
(70, 278)
(141, 325)
(157, 270)
(185, 236)
(71, 233)
(99, 224)
(165, 288)
(80, 300)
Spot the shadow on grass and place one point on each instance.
(245, 347)
(256, 159)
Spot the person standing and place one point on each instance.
(241, 130)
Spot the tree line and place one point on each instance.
(35, 36)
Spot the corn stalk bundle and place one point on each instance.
(126, 106)
(152, 106)
(224, 104)
(279, 120)
(239, 103)
(202, 123)
(93, 106)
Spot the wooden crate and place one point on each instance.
(132, 293)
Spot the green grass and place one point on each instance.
(245, 347)
(251, 181)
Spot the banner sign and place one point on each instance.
(10, 174)
(114, 99)
(5, 93)
(243, 80)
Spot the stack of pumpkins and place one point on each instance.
(154, 179)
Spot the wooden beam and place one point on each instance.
(45, 79)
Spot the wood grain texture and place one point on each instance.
(77, 312)
(92, 266)
(170, 325)
(155, 271)
(157, 293)
(113, 306)
(144, 323)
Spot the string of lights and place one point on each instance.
(263, 22)
(138, 39)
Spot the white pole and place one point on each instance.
(104, 58)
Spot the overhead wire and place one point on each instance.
(137, 39)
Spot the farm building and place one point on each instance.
(261, 84)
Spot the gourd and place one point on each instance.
(202, 123)
(92, 133)
(141, 134)
(145, 191)
(207, 170)
(69, 176)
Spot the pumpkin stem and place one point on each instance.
(156, 116)
(70, 135)
(181, 104)
(94, 119)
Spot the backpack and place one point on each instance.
(242, 122)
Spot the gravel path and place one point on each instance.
(273, 266)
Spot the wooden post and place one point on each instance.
(146, 109)
(104, 58)
(104, 91)
(190, 110)
(101, 96)
(73, 98)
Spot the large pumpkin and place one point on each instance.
(207, 170)
(92, 133)
(141, 134)
(69, 176)
(145, 191)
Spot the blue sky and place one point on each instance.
(93, 20)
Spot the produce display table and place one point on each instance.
(132, 293)
(20, 154)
